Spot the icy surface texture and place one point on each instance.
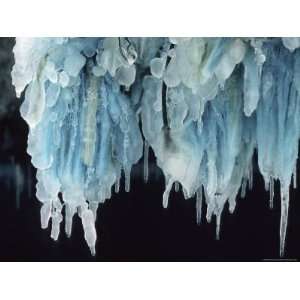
(204, 105)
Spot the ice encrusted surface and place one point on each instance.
(205, 105)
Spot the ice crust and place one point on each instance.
(94, 106)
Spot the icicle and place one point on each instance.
(56, 218)
(185, 194)
(89, 131)
(271, 192)
(146, 159)
(93, 206)
(166, 193)
(45, 214)
(283, 218)
(250, 177)
(244, 186)
(88, 223)
(295, 176)
(117, 182)
(127, 179)
(267, 185)
(232, 204)
(209, 211)
(117, 185)
(218, 225)
(199, 205)
(176, 186)
(107, 196)
(70, 211)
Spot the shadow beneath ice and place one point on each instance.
(134, 227)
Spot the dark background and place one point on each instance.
(132, 226)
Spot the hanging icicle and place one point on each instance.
(204, 106)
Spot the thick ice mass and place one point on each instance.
(204, 105)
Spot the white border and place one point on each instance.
(153, 281)
(150, 18)
(149, 281)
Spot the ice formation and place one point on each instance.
(94, 106)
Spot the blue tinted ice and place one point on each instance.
(204, 106)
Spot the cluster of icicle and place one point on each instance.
(94, 106)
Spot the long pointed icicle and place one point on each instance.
(283, 220)
(127, 180)
(243, 189)
(146, 161)
(271, 192)
(166, 194)
(218, 226)
(295, 177)
(199, 205)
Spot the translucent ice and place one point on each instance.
(203, 105)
